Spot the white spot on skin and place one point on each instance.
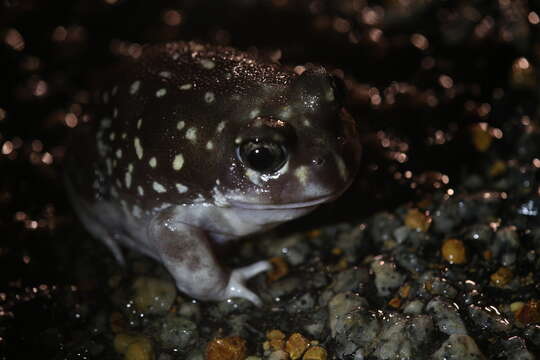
(209, 145)
(180, 125)
(220, 126)
(302, 174)
(178, 162)
(114, 90)
(124, 135)
(112, 136)
(209, 97)
(165, 74)
(185, 87)
(181, 188)
(161, 92)
(134, 87)
(152, 162)
(158, 187)
(130, 168)
(136, 211)
(253, 176)
(199, 199)
(219, 199)
(119, 153)
(138, 147)
(139, 123)
(191, 134)
(140, 190)
(118, 183)
(114, 193)
(207, 64)
(115, 113)
(307, 123)
(128, 180)
(105, 97)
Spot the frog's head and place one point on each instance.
(298, 147)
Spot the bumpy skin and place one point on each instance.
(158, 166)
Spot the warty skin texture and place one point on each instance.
(193, 143)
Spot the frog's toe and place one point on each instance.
(247, 272)
(236, 286)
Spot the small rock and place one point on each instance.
(387, 278)
(481, 138)
(139, 350)
(153, 296)
(296, 345)
(340, 306)
(382, 229)
(229, 348)
(446, 317)
(453, 251)
(458, 347)
(515, 348)
(304, 303)
(529, 313)
(177, 332)
(134, 347)
(417, 220)
(315, 353)
(278, 355)
(280, 268)
(502, 277)
(276, 339)
(488, 318)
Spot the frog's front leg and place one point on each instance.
(185, 251)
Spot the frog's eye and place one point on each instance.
(262, 155)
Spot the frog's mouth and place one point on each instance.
(299, 205)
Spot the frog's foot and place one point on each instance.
(236, 287)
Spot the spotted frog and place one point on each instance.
(193, 144)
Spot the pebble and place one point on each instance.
(280, 268)
(458, 347)
(134, 347)
(340, 306)
(387, 277)
(229, 348)
(315, 353)
(481, 138)
(278, 355)
(177, 332)
(446, 317)
(453, 251)
(417, 220)
(276, 340)
(501, 277)
(529, 313)
(153, 296)
(296, 345)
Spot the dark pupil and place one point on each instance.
(261, 159)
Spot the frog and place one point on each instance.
(191, 145)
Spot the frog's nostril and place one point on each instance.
(317, 161)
